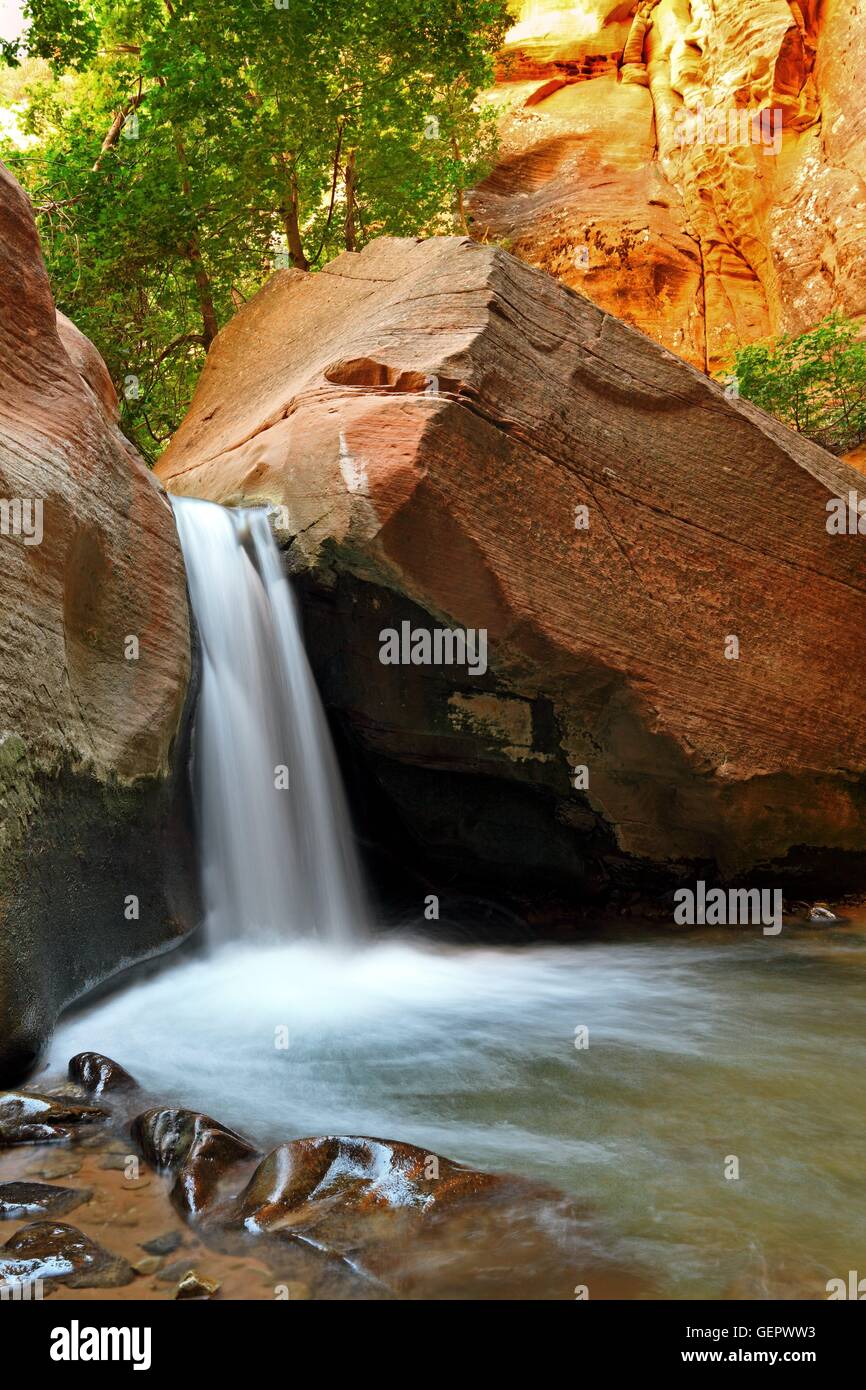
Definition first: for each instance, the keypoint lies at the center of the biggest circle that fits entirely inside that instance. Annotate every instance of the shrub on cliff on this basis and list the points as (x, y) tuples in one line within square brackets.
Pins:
[(815, 382)]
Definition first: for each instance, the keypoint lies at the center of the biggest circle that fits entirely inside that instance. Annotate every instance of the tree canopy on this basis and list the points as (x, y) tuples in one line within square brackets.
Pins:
[(179, 150)]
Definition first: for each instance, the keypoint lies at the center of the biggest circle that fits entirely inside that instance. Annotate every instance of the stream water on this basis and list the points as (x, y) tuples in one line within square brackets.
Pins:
[(702, 1046), (711, 1129)]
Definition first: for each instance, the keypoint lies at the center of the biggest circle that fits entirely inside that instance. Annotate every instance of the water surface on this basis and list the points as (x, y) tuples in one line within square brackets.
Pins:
[(703, 1046)]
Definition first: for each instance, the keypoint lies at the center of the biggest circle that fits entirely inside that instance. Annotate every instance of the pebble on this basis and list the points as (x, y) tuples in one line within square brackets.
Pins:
[(166, 1244), (195, 1285)]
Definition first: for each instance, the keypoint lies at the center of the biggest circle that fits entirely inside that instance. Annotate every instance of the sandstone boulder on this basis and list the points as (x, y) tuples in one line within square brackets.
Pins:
[(94, 669), (458, 441)]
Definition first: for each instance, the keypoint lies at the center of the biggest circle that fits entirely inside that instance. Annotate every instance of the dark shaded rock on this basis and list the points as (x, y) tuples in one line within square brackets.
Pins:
[(165, 1244), (19, 1199), (45, 1250), (26, 1117), (201, 1153), (97, 1074), (171, 1274), (195, 1285)]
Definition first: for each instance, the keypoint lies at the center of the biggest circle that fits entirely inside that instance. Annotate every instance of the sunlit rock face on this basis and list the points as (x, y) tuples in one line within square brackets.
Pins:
[(697, 169)]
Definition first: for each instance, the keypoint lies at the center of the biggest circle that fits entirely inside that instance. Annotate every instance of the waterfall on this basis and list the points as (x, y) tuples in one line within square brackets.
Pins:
[(277, 853)]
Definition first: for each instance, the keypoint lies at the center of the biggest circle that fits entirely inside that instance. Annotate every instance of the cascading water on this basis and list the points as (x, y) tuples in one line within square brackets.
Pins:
[(276, 843)]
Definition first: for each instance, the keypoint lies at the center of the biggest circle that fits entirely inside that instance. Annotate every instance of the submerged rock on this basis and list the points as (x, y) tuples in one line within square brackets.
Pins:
[(26, 1117), (20, 1199), (456, 442), (94, 628), (164, 1244)]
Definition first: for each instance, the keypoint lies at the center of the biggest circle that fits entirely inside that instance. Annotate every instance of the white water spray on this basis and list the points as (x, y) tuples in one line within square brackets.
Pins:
[(278, 857)]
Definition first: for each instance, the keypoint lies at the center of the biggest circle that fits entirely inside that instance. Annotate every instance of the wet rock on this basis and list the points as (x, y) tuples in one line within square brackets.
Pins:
[(199, 1151), (114, 1162), (26, 1117), (165, 1244), (301, 1179), (820, 913), (20, 1199), (344, 1216), (170, 1274), (45, 1250), (195, 1285), (57, 1165), (98, 1074)]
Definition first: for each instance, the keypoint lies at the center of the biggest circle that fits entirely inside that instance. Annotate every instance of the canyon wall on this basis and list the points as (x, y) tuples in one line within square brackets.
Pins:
[(697, 167), (94, 669)]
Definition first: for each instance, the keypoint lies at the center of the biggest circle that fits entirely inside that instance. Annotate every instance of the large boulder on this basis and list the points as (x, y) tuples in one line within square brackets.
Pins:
[(95, 642), (457, 440)]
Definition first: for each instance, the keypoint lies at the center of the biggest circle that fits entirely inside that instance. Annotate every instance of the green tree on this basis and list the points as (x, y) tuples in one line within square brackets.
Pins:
[(180, 149), (815, 382)]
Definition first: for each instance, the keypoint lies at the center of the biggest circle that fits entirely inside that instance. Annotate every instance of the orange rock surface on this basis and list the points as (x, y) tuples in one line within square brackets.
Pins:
[(615, 175)]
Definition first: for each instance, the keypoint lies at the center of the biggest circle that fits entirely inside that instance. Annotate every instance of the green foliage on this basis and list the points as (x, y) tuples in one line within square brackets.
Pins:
[(814, 382), (179, 149)]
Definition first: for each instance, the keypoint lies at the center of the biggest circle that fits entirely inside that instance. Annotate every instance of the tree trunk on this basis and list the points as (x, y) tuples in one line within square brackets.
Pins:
[(115, 128), (461, 198), (351, 202), (191, 249), (290, 213)]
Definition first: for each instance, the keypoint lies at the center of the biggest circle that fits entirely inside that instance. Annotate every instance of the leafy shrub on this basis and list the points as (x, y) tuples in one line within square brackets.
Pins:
[(814, 382)]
